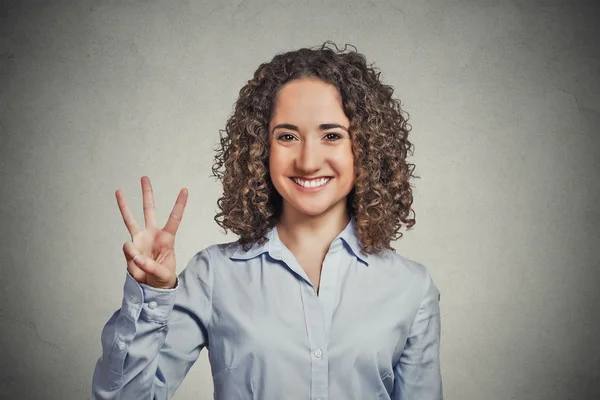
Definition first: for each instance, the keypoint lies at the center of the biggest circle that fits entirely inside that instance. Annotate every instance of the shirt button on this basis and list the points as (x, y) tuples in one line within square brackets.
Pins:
[(152, 304), (121, 345), (134, 299), (318, 353)]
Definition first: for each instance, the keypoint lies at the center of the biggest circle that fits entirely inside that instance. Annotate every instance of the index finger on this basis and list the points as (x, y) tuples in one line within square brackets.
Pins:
[(177, 214)]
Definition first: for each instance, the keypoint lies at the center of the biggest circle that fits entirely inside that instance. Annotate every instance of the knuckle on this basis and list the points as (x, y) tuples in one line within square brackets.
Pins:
[(175, 217), (129, 250)]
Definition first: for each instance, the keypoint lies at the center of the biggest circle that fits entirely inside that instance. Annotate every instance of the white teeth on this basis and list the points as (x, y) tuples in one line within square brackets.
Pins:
[(311, 183)]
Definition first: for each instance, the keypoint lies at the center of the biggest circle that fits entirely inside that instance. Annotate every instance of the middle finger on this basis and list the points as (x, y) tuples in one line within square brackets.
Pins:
[(148, 201)]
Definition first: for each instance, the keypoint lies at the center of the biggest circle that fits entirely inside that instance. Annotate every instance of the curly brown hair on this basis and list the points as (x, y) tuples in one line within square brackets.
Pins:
[(381, 198)]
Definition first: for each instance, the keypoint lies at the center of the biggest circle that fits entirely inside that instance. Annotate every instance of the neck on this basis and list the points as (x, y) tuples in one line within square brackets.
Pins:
[(300, 230)]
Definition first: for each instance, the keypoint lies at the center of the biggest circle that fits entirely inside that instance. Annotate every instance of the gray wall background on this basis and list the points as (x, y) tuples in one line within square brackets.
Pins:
[(504, 98)]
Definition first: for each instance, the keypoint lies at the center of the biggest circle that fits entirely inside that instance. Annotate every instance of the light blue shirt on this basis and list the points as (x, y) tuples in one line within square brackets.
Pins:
[(372, 332)]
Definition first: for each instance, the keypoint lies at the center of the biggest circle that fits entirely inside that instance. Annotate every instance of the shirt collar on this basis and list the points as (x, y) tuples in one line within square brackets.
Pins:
[(351, 239), (274, 245), (255, 250)]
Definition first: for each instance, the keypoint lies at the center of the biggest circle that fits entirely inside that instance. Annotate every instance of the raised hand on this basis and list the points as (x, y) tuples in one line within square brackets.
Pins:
[(151, 253)]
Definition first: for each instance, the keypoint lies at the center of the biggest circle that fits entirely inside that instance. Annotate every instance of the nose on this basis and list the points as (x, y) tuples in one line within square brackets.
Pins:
[(310, 157)]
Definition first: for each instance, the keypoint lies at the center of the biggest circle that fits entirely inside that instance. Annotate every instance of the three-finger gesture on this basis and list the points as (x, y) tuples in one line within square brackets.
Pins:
[(151, 253)]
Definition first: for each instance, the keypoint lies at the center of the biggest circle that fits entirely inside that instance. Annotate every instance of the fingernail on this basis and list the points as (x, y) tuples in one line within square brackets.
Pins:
[(138, 260)]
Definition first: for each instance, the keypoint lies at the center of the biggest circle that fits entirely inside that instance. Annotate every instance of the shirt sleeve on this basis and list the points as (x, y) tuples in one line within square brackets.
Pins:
[(152, 341), (417, 374)]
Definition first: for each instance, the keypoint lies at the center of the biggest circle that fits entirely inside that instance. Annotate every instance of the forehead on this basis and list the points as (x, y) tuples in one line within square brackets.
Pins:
[(308, 101)]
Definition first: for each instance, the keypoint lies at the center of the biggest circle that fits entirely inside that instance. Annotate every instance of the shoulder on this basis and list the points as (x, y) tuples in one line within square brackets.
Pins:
[(404, 271), (220, 251), (398, 264), (204, 260), (219, 254)]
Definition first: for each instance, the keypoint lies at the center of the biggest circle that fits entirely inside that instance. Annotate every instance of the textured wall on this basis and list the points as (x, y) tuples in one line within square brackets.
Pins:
[(504, 98)]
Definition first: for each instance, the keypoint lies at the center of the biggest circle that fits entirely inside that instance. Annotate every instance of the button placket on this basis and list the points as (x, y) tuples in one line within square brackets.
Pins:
[(329, 277), (313, 315)]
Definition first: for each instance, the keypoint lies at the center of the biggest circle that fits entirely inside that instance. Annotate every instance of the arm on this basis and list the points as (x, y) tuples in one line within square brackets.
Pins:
[(417, 374), (149, 345)]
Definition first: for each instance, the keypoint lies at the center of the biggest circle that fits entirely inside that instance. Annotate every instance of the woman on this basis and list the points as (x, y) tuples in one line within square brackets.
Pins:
[(311, 302)]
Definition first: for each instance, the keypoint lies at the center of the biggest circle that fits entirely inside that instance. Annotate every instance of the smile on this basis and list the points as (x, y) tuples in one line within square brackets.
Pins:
[(313, 183)]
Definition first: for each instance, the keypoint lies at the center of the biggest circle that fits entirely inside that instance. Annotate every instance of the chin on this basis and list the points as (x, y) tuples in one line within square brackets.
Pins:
[(315, 213), (312, 211)]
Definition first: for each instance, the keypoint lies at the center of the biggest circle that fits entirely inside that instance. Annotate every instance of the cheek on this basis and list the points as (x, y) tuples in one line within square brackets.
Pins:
[(346, 165), (276, 165), (273, 161), (350, 175)]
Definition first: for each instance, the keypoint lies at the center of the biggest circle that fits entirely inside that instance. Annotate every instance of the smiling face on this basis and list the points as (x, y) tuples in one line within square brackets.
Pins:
[(309, 139)]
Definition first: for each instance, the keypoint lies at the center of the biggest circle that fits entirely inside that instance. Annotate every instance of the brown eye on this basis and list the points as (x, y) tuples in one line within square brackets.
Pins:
[(287, 137), (332, 137)]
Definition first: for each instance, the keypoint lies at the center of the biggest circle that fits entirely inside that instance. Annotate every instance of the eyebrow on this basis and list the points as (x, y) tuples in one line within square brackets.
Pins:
[(323, 127)]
